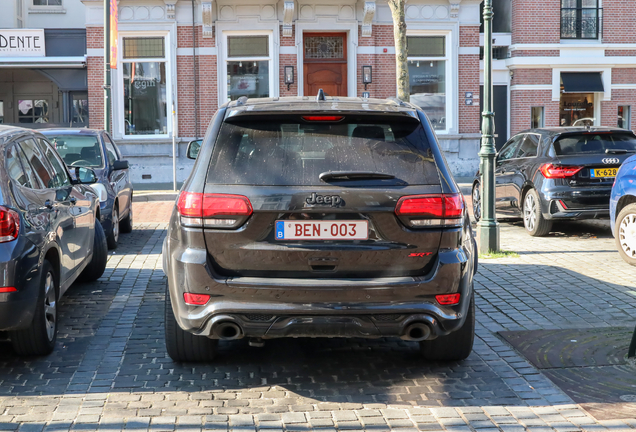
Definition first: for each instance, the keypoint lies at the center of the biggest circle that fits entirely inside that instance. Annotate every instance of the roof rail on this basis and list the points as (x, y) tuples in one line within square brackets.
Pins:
[(321, 95), (241, 101)]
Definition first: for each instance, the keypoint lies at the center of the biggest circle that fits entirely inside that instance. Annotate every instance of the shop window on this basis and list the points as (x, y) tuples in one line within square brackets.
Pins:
[(624, 117), (577, 109), (33, 111), (248, 66), (79, 109), (581, 19), (47, 2), (538, 117), (427, 76), (145, 86)]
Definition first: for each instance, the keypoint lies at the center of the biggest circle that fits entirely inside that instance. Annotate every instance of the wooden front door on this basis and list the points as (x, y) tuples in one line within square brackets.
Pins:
[(325, 63)]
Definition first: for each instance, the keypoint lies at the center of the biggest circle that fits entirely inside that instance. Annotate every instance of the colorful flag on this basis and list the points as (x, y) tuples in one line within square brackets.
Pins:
[(113, 34)]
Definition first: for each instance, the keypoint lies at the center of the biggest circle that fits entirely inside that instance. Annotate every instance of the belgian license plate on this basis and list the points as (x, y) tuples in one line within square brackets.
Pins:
[(604, 172), (322, 230)]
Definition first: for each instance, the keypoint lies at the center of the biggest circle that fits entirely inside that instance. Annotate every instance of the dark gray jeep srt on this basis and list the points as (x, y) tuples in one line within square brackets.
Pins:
[(319, 217)]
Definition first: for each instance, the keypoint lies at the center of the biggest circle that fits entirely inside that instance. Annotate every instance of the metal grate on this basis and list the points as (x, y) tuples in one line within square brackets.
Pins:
[(386, 317), (581, 22), (259, 317)]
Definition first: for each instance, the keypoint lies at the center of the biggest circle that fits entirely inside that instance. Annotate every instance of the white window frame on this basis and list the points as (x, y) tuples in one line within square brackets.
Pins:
[(224, 58), (47, 8), (450, 78), (118, 99)]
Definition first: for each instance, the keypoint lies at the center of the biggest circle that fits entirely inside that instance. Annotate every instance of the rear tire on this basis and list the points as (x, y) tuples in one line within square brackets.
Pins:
[(183, 346), (126, 224), (455, 346), (113, 236), (534, 222), (625, 230), (39, 338), (95, 269)]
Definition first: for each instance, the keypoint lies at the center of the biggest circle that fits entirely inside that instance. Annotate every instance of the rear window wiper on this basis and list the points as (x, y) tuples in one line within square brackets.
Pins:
[(353, 175), (618, 151)]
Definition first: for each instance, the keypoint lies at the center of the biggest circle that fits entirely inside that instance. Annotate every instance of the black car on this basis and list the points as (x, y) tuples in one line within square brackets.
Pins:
[(335, 217), (95, 149), (566, 173), (49, 237)]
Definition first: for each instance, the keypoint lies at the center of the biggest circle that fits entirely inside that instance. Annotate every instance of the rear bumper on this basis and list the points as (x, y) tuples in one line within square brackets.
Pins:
[(19, 268), (575, 203), (272, 308)]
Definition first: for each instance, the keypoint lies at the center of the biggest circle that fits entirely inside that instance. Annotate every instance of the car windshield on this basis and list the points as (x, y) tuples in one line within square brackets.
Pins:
[(78, 150), (594, 143), (292, 151)]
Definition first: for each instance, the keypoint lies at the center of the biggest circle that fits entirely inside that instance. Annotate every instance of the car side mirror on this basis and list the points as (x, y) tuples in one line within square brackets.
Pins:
[(84, 175), (193, 148), (120, 165)]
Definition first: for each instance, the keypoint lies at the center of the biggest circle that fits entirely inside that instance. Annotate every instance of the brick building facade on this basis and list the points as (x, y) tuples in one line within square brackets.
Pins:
[(578, 67), (244, 48), (170, 56)]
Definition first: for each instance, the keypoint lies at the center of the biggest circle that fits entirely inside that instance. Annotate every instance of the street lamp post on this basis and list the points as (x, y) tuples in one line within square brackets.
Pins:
[(107, 65), (488, 230)]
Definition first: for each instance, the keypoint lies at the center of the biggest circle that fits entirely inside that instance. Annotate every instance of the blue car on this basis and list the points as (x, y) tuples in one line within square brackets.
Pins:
[(623, 210), (96, 150)]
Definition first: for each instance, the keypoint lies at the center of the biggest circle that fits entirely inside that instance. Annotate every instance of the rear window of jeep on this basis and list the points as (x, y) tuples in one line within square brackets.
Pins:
[(292, 151)]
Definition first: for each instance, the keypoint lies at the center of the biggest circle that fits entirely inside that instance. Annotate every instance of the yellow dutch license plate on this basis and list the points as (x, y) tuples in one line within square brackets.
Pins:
[(604, 172)]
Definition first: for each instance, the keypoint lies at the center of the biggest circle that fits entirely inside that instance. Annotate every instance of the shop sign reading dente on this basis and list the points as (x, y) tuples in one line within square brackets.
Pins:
[(22, 42)]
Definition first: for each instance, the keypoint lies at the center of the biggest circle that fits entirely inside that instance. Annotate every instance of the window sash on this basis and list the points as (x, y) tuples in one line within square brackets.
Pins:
[(411, 40), (579, 20), (224, 94), (129, 50), (447, 61)]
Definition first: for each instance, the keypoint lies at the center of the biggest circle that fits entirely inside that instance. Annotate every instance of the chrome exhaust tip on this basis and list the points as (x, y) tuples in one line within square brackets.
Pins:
[(227, 331), (417, 332)]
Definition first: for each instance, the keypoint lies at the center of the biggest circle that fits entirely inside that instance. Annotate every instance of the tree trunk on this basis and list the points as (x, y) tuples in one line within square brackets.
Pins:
[(399, 34)]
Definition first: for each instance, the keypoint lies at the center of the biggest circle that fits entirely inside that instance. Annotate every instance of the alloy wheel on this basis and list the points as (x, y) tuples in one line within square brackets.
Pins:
[(116, 224), (477, 202), (627, 235), (50, 305), (530, 212)]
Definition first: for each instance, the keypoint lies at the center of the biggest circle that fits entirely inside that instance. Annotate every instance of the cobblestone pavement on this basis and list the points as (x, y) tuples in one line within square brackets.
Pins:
[(110, 370)]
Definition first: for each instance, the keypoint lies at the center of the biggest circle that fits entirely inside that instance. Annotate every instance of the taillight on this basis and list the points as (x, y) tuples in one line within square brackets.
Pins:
[(196, 299), (9, 224), (213, 210), (322, 118), (7, 289), (448, 299), (557, 172), (431, 210)]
